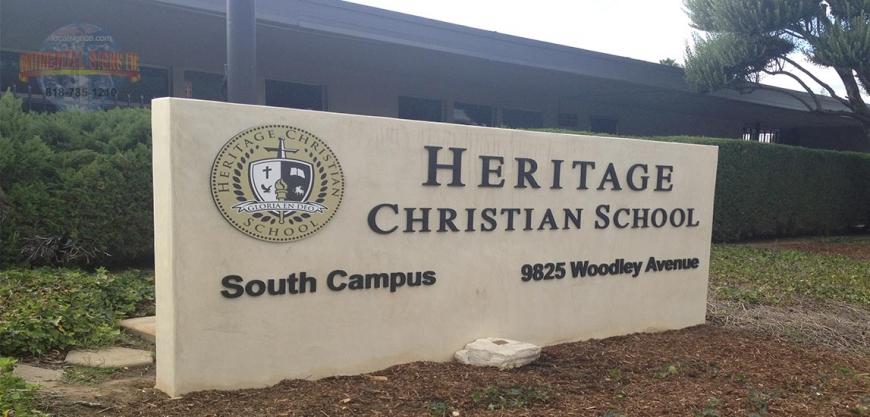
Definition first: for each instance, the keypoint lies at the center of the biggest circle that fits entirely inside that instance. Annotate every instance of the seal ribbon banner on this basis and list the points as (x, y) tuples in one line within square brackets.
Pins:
[(257, 206)]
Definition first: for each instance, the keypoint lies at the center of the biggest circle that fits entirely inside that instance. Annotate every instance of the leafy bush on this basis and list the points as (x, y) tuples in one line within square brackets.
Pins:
[(45, 309), (75, 187), (16, 396)]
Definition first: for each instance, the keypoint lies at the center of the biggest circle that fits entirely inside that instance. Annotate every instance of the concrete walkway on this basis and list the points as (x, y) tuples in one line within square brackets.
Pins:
[(143, 327)]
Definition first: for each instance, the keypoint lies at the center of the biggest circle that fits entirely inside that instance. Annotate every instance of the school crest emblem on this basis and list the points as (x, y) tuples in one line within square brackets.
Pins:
[(277, 183)]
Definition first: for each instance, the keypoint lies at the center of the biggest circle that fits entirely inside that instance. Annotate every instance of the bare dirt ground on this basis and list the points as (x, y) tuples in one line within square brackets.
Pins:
[(809, 359), (702, 371), (90, 400)]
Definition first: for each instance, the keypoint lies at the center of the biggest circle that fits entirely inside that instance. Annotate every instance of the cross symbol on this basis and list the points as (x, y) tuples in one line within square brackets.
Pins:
[(267, 170)]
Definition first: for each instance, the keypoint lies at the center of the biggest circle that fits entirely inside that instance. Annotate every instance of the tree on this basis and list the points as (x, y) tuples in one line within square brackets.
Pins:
[(670, 62), (747, 38)]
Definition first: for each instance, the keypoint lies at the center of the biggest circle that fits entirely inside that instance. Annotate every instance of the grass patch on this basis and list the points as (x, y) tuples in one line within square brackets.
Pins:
[(16, 396), (502, 398), (853, 239), (759, 402), (87, 375), (711, 409), (780, 277), (667, 371), (438, 408), (48, 309), (863, 408), (614, 374)]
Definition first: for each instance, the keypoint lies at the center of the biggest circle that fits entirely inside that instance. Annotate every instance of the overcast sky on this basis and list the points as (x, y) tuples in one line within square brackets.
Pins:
[(649, 30)]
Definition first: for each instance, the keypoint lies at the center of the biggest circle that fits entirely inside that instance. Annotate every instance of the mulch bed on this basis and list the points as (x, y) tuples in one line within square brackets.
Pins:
[(701, 371)]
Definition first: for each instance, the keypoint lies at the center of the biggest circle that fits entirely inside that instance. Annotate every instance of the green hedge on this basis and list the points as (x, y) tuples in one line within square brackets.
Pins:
[(770, 191), (766, 191), (75, 188)]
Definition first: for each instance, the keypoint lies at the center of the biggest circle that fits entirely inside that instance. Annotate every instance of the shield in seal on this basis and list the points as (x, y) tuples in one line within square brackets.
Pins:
[(276, 183), (281, 179)]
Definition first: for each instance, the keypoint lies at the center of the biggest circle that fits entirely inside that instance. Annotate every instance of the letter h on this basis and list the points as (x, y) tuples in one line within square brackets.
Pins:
[(434, 166)]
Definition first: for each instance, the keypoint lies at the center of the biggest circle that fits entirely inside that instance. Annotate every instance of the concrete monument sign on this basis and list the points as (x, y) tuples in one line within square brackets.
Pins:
[(300, 244)]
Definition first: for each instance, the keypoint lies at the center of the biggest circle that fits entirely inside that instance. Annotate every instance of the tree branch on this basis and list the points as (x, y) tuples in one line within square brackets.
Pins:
[(817, 80), (796, 34), (859, 117), (862, 118), (781, 91), (807, 31), (853, 91), (864, 77), (802, 83)]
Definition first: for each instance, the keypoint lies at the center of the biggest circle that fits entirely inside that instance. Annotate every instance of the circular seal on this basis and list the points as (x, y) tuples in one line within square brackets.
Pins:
[(83, 86), (277, 183)]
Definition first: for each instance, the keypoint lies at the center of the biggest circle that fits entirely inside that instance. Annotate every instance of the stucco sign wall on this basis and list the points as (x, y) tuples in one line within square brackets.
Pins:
[(301, 244)]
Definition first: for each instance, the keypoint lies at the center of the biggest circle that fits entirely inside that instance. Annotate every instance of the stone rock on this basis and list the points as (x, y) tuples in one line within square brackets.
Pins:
[(142, 327), (499, 353), (113, 357), (40, 376)]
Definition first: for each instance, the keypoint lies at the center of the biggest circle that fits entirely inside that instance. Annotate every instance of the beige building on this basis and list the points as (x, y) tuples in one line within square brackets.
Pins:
[(342, 57)]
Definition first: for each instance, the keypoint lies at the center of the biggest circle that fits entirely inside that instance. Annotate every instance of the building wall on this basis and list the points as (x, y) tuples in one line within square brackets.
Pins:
[(368, 77)]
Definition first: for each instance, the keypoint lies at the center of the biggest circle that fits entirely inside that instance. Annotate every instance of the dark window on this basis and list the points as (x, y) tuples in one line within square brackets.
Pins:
[(568, 120), (9, 74), (413, 108), (153, 84), (30, 91), (522, 119), (603, 125), (472, 114), (204, 86), (294, 95)]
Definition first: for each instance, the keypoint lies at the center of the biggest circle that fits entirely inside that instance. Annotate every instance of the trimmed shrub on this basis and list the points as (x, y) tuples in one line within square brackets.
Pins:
[(767, 191), (75, 187), (46, 309)]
